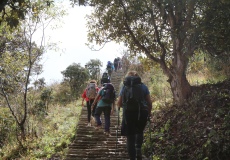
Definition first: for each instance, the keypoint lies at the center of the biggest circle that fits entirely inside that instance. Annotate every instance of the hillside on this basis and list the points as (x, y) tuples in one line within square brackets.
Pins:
[(198, 130)]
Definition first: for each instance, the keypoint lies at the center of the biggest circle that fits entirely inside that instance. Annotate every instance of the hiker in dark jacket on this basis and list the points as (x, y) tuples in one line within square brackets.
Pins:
[(105, 78), (115, 63), (134, 122), (109, 68)]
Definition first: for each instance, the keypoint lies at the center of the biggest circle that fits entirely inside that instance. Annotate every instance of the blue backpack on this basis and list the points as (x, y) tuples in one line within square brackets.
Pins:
[(109, 93), (109, 65)]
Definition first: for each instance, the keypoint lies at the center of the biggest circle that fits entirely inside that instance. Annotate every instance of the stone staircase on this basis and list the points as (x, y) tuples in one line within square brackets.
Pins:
[(117, 79), (92, 144)]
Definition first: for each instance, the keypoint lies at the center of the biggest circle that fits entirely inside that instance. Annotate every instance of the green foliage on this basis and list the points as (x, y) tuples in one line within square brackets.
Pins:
[(218, 67), (93, 67), (168, 32), (20, 57), (41, 105), (160, 92), (61, 93), (39, 109), (216, 27), (54, 132), (76, 76), (40, 83), (7, 126), (205, 68), (13, 11), (199, 129)]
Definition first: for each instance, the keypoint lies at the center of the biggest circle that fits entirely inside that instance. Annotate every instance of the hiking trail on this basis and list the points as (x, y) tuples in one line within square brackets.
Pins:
[(92, 144)]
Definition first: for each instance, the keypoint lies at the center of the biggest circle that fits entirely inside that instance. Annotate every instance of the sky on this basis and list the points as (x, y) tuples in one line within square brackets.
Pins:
[(73, 36)]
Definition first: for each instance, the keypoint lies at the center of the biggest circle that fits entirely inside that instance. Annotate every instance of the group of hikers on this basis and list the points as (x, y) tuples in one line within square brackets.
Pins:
[(134, 99), (116, 65)]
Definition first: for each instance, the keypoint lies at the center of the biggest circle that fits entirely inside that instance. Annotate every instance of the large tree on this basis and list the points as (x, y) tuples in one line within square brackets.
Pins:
[(167, 31)]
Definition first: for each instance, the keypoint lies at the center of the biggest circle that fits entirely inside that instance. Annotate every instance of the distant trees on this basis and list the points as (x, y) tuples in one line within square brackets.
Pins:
[(93, 67), (168, 32), (76, 76)]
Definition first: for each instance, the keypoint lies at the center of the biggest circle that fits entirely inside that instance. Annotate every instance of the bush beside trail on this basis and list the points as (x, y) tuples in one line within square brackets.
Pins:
[(197, 130)]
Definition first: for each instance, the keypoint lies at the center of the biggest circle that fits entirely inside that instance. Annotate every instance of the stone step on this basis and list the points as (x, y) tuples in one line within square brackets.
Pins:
[(93, 144), (117, 78)]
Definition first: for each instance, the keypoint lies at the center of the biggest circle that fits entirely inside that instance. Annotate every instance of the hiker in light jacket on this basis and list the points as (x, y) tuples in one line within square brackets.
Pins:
[(89, 103)]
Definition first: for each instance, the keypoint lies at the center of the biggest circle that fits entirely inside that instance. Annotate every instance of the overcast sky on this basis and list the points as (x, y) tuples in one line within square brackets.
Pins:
[(73, 36)]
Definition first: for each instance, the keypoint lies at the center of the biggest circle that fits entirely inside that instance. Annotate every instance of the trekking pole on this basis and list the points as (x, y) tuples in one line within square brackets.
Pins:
[(118, 123)]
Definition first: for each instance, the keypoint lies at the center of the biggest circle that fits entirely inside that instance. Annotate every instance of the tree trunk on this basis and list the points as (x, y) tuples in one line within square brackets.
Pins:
[(180, 88)]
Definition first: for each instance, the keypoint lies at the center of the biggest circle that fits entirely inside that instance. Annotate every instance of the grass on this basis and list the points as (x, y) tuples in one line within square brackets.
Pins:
[(54, 132)]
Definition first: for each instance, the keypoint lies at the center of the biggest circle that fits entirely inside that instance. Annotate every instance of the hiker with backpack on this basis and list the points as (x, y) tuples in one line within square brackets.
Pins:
[(135, 100), (119, 66), (105, 78), (115, 63), (109, 68), (105, 101), (89, 95)]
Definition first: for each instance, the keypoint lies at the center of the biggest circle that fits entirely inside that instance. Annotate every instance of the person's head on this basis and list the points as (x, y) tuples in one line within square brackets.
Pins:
[(132, 77), (93, 81), (132, 73)]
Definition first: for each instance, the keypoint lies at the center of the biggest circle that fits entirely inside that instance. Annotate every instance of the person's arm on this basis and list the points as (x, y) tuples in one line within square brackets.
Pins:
[(83, 97), (119, 102), (113, 106), (95, 100)]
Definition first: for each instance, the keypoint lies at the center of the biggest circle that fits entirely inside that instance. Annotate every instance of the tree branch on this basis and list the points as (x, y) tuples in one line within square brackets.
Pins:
[(136, 41)]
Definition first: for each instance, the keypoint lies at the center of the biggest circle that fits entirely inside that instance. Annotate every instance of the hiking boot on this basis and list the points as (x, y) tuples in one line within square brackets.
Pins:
[(107, 133), (98, 127)]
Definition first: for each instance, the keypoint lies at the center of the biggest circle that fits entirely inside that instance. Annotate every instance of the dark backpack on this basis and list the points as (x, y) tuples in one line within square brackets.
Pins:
[(105, 75), (105, 78), (109, 93), (115, 61), (133, 96)]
